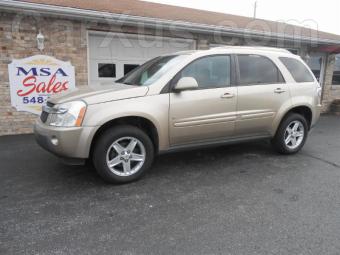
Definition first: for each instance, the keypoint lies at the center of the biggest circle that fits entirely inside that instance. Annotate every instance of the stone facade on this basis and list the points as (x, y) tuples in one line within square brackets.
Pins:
[(66, 40), (18, 40), (330, 92)]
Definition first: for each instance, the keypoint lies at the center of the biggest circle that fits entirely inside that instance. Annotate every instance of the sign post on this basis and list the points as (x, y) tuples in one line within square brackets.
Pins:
[(34, 79)]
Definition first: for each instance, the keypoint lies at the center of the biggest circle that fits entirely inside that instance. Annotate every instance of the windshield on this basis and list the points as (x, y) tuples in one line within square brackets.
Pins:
[(151, 71)]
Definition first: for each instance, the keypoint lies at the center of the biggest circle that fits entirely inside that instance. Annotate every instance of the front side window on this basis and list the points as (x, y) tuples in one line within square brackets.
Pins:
[(209, 72), (151, 71), (298, 70), (255, 69)]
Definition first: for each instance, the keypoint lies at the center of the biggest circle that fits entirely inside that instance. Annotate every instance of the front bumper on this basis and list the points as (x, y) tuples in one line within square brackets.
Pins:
[(68, 143)]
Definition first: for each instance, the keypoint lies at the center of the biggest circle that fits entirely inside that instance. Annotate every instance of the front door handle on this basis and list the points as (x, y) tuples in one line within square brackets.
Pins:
[(279, 91), (227, 95)]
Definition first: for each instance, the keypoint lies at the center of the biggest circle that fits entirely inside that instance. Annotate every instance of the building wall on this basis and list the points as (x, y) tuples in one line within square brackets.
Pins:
[(330, 93), (18, 40), (67, 40)]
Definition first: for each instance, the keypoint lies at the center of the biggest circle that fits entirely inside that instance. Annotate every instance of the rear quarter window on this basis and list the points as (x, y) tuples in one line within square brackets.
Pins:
[(297, 69)]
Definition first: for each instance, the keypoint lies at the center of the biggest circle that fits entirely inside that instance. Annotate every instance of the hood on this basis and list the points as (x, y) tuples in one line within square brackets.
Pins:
[(101, 94)]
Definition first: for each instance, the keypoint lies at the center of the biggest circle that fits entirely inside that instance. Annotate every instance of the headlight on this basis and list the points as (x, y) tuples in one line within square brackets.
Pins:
[(67, 115)]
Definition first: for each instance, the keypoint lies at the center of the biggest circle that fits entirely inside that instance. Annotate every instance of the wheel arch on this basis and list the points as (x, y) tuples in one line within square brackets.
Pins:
[(304, 110), (137, 121)]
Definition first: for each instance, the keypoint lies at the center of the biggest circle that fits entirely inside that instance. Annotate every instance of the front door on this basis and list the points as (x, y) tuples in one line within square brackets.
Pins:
[(208, 112), (262, 91)]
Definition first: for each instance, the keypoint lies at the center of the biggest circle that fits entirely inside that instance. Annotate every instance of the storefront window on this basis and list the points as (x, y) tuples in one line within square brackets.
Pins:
[(294, 51), (129, 67), (315, 62), (336, 72), (106, 70)]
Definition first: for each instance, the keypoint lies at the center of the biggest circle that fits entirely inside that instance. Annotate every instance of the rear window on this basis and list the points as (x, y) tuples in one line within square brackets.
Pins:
[(298, 70)]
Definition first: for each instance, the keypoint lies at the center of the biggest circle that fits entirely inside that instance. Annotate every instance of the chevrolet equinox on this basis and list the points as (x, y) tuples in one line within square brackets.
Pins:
[(183, 100)]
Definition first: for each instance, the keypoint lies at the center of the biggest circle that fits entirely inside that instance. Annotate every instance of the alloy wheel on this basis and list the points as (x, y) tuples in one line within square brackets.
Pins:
[(126, 156), (294, 134)]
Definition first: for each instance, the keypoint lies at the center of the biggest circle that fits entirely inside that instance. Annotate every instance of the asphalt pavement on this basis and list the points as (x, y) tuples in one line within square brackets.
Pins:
[(239, 199)]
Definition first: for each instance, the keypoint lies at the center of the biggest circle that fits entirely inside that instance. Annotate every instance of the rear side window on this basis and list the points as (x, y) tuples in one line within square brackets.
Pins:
[(255, 69), (298, 70)]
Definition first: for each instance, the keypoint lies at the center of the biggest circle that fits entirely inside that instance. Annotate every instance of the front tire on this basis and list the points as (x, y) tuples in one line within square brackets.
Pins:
[(291, 134), (123, 154)]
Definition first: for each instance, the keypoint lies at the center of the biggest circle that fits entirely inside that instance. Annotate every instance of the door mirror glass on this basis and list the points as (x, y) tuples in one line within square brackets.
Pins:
[(186, 83)]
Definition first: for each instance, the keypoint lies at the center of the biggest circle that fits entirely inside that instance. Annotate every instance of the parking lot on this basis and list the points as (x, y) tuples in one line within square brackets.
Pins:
[(242, 199)]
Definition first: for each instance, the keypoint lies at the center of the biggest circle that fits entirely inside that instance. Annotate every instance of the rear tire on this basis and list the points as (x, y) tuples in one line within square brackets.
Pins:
[(291, 134), (123, 154)]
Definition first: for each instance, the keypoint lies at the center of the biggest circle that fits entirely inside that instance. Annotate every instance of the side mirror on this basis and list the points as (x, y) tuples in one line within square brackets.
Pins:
[(186, 83)]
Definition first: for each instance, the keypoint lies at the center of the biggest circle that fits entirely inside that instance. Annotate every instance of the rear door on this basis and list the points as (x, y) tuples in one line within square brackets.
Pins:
[(208, 112), (261, 93)]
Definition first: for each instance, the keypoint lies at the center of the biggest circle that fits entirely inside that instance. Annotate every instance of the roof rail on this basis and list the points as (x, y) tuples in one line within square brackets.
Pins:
[(254, 47)]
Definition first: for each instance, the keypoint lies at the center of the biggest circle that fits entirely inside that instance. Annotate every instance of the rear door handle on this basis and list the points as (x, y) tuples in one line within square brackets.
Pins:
[(279, 90), (227, 95)]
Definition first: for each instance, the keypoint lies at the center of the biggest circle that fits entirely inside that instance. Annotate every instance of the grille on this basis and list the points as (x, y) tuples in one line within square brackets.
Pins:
[(49, 104), (44, 116)]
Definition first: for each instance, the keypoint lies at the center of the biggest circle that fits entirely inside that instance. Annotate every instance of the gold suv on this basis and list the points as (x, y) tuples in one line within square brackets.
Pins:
[(184, 100)]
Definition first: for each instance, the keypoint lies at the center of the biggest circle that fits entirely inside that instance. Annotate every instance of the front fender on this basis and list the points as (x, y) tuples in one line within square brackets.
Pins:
[(153, 108)]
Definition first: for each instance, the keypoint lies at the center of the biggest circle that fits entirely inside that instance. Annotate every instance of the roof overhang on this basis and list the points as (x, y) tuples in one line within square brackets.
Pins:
[(334, 49), (125, 19)]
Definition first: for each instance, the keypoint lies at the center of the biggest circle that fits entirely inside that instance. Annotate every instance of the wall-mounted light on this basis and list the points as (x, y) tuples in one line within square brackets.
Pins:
[(40, 41)]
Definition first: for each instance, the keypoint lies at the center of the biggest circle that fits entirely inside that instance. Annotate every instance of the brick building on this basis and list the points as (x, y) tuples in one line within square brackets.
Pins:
[(106, 39)]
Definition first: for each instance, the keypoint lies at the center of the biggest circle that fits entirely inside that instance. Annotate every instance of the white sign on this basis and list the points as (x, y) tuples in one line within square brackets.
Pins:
[(32, 80)]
